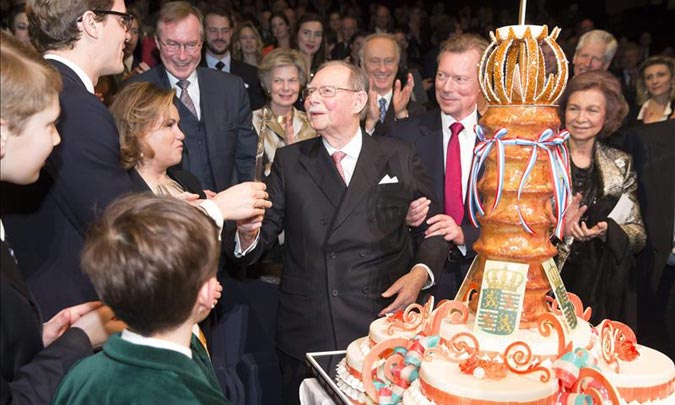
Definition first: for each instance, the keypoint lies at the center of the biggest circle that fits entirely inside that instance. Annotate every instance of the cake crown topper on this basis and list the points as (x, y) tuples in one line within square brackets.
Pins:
[(512, 70)]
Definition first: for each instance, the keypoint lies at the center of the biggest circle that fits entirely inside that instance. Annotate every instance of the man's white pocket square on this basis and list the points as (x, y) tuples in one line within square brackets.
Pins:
[(388, 180)]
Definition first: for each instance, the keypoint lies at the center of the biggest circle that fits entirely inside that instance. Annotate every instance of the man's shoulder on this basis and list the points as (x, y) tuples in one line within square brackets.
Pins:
[(153, 75), (243, 68), (215, 77)]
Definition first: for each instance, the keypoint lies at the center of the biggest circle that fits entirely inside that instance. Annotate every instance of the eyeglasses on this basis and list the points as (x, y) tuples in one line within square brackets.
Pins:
[(175, 46), (125, 19), (325, 91)]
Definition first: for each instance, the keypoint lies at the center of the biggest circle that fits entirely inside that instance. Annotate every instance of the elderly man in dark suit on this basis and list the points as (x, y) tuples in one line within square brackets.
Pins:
[(218, 34), (214, 110), (341, 199), (444, 139)]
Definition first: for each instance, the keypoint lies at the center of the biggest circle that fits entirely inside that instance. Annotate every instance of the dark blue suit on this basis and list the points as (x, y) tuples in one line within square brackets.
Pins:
[(426, 134), (47, 221), (225, 120)]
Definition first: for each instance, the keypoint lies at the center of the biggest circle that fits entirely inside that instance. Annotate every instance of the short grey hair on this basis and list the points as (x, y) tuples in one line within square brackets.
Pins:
[(358, 79), (600, 36), (381, 35)]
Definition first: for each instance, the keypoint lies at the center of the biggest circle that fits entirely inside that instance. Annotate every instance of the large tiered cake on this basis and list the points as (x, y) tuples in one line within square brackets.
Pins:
[(504, 340)]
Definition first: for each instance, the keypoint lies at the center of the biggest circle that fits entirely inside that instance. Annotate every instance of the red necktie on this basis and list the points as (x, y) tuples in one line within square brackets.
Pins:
[(454, 205), (337, 158)]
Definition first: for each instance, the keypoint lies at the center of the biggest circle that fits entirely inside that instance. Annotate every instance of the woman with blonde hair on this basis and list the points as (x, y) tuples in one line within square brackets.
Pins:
[(248, 44), (282, 74), (656, 89)]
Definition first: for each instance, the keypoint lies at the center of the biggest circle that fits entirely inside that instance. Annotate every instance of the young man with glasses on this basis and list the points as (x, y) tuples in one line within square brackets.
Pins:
[(215, 116), (84, 40), (341, 199)]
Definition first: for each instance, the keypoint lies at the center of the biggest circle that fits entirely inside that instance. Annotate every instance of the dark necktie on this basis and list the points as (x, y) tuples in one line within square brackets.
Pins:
[(185, 96), (454, 205), (337, 159), (383, 108), (220, 65)]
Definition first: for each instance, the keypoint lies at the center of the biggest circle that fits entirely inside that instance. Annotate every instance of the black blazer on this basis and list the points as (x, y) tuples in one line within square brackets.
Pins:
[(186, 179), (426, 134), (226, 116), (344, 246), (249, 74), (29, 372), (653, 150), (47, 221)]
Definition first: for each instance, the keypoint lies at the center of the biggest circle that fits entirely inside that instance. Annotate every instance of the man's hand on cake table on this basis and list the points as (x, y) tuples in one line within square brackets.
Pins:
[(243, 201), (445, 226), (406, 289), (417, 211)]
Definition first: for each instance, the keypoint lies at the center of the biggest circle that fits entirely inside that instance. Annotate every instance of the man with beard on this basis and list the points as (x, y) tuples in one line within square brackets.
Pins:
[(218, 30)]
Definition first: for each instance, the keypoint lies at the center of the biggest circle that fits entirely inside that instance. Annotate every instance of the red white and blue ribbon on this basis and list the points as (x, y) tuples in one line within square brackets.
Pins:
[(553, 144)]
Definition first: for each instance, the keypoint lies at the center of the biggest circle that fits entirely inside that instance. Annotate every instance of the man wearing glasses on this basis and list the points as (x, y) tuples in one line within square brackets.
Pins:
[(83, 40), (214, 108), (342, 200)]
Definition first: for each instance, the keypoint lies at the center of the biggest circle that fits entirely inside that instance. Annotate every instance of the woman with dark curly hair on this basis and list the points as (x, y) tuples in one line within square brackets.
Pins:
[(603, 225)]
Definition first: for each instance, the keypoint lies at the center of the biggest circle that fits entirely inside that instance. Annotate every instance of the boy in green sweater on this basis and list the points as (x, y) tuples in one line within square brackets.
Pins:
[(153, 260)]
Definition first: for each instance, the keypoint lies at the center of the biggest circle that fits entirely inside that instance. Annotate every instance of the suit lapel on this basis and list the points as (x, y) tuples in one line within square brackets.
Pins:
[(432, 144), (320, 168), (369, 167), (207, 98)]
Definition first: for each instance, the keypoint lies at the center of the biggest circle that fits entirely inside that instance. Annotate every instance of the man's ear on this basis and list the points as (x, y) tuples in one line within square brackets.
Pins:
[(360, 101), (89, 25), (207, 294), (4, 133)]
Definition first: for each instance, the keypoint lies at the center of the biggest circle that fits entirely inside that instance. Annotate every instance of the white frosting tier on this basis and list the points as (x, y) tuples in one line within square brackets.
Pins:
[(541, 346), (379, 331), (351, 385), (356, 352), (447, 377), (649, 369), (413, 396)]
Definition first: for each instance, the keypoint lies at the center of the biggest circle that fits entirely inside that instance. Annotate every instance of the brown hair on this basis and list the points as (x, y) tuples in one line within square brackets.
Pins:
[(616, 107), (148, 256), (28, 82), (52, 24), (174, 11), (642, 93), (279, 58), (236, 52), (319, 56), (137, 109), (463, 43)]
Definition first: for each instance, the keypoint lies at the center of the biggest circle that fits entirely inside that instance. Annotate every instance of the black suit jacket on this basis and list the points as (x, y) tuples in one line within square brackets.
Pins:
[(30, 373), (226, 116), (426, 134), (249, 74), (344, 245), (47, 221), (653, 150)]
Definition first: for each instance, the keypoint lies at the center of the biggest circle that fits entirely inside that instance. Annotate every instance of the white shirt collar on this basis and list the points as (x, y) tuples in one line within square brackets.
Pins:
[(351, 149), (386, 97), (141, 340), (174, 80), (2, 231), (212, 60), (469, 123), (88, 83)]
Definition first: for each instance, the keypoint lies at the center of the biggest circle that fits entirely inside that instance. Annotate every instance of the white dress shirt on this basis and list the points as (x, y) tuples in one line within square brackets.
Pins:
[(467, 141), (193, 89), (352, 150), (88, 82), (212, 60)]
